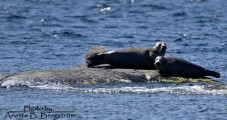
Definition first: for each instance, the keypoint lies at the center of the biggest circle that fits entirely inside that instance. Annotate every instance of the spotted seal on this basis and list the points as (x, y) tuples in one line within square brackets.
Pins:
[(172, 66), (132, 58)]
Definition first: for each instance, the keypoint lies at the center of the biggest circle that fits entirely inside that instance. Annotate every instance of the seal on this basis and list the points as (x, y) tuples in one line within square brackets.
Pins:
[(172, 66), (131, 58)]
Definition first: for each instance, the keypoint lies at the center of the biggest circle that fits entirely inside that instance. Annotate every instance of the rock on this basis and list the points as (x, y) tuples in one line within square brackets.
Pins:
[(83, 75), (3, 77)]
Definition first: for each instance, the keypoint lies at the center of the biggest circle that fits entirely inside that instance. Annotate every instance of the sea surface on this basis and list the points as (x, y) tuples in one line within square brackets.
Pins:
[(45, 34)]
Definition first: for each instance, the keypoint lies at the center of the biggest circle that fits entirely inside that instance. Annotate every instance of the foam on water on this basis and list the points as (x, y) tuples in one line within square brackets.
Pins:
[(138, 90), (126, 88), (172, 90), (15, 82)]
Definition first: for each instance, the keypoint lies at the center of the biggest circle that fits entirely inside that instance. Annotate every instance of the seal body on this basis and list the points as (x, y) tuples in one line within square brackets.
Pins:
[(172, 66), (132, 58)]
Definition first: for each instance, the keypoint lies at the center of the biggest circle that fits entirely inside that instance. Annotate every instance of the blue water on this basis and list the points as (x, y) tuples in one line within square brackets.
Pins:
[(45, 34)]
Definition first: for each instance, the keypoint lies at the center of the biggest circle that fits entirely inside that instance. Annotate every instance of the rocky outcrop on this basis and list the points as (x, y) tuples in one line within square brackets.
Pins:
[(83, 75)]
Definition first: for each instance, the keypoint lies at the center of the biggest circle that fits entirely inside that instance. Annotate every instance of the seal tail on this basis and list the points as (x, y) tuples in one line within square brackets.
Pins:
[(95, 56), (213, 73)]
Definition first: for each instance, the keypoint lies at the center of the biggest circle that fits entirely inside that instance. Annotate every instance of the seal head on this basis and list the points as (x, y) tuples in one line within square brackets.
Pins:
[(158, 50)]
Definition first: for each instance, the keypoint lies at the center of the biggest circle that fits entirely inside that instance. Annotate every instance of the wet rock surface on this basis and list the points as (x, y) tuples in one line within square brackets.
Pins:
[(80, 75), (99, 75)]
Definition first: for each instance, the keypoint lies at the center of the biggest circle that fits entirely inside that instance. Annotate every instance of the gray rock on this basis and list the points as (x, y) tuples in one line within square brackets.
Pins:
[(83, 75), (79, 75)]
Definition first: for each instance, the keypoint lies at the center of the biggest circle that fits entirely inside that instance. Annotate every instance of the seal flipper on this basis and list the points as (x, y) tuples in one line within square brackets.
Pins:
[(95, 56), (212, 73)]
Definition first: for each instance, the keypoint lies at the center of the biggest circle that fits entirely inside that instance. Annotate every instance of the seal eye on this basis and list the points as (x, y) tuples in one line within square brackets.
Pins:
[(157, 58), (164, 44)]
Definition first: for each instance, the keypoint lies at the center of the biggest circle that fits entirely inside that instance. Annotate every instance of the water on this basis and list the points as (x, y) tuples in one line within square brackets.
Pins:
[(44, 34)]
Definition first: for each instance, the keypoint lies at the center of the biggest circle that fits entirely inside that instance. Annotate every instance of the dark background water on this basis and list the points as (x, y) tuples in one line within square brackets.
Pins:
[(44, 34)]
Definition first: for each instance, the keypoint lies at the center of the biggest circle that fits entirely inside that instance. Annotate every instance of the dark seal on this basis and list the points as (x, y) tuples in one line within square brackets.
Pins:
[(172, 66), (132, 58)]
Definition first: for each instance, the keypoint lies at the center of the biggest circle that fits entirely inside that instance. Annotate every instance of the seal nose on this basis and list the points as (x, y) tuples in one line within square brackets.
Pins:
[(157, 63), (164, 46)]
